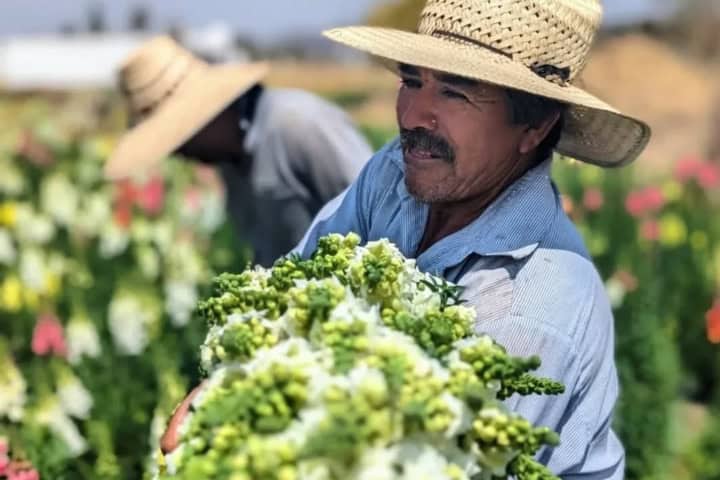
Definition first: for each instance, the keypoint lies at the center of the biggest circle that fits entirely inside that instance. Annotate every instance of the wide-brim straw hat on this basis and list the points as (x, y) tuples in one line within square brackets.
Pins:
[(171, 95), (538, 47)]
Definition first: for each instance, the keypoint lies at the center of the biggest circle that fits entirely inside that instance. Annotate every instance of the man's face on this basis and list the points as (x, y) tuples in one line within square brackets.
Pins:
[(458, 142), (219, 141)]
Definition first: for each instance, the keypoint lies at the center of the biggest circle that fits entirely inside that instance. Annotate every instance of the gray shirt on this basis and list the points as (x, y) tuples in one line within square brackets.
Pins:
[(305, 151)]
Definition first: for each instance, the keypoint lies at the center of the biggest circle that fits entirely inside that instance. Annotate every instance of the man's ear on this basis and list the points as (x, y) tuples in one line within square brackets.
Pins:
[(533, 136)]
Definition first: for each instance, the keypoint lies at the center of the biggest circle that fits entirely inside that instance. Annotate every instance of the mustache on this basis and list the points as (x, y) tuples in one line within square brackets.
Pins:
[(423, 139)]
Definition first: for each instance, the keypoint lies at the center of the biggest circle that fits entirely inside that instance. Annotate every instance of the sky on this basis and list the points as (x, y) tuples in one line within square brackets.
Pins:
[(261, 20)]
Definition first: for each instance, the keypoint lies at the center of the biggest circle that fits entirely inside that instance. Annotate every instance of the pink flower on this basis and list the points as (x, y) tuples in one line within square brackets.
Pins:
[(635, 203), (654, 199), (205, 174), (627, 279), (34, 151), (708, 176), (687, 168), (48, 336), (151, 196), (191, 199), (31, 474), (4, 462), (593, 199), (647, 200), (650, 230)]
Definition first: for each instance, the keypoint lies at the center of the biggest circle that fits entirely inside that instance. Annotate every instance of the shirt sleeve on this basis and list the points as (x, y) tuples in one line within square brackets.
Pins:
[(588, 449), (325, 150)]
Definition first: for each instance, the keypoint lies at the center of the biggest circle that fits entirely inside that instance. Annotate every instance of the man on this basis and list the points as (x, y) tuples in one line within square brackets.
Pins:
[(486, 96), (282, 153)]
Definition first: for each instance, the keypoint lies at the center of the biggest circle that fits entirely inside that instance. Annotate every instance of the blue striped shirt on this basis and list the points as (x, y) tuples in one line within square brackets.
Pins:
[(526, 271)]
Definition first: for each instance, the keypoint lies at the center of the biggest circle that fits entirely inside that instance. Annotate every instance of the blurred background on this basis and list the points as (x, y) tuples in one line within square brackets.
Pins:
[(114, 291)]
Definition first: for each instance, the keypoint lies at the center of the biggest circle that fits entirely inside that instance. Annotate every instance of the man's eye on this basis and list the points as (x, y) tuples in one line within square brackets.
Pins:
[(410, 82), (455, 94)]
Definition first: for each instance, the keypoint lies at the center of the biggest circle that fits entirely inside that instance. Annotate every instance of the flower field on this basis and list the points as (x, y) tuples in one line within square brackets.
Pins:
[(100, 337)]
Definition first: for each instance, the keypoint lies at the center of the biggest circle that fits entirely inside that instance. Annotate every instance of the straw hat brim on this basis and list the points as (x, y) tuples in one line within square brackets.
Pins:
[(201, 97), (594, 131)]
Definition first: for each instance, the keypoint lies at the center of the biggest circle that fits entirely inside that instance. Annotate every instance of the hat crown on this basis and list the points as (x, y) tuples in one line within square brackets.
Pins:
[(154, 72), (551, 37)]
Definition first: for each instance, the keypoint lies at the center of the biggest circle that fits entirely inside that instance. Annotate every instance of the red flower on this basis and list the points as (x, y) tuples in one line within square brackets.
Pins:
[(712, 322), (125, 192), (593, 199), (151, 196), (48, 337), (123, 215)]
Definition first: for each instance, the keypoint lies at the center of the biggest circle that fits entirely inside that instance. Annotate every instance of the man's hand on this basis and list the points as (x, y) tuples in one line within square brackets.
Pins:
[(170, 440)]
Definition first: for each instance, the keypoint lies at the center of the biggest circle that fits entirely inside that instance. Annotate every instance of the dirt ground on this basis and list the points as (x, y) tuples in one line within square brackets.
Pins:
[(634, 73)]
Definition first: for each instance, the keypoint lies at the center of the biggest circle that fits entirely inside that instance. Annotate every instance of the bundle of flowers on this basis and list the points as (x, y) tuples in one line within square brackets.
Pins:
[(98, 282), (353, 365)]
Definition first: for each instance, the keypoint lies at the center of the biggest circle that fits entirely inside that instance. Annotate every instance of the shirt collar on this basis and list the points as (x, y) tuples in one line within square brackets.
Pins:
[(513, 225)]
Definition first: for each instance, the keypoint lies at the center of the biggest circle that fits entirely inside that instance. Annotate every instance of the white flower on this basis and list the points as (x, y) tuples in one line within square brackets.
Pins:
[(52, 415), (157, 428), (12, 181), (615, 291), (298, 432), (32, 269), (376, 464), (12, 391), (8, 253), (462, 416), (32, 227), (129, 324), (74, 397), (162, 235), (141, 230), (95, 212), (59, 198), (180, 301), (113, 240), (185, 262), (421, 462), (148, 261), (369, 382), (212, 213), (314, 470), (82, 339), (173, 459)]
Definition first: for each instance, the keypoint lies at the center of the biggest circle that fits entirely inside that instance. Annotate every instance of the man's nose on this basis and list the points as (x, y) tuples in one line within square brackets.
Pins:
[(419, 111)]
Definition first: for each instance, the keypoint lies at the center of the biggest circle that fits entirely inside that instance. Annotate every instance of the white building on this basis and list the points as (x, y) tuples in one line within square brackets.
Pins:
[(83, 61), (56, 62)]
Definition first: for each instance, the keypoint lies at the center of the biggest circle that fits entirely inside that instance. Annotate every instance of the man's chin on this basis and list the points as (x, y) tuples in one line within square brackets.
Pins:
[(423, 193)]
